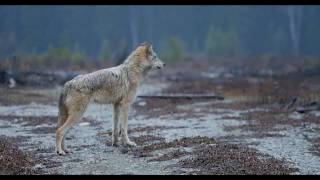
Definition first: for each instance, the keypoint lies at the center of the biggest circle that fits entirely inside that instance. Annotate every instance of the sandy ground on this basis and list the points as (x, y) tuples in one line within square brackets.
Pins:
[(93, 153)]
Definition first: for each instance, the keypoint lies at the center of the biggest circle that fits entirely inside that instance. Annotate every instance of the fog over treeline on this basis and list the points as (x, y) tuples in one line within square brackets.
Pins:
[(197, 30)]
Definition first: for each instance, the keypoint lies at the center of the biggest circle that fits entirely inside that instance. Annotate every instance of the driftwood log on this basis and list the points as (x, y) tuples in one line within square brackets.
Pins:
[(36, 78), (183, 96), (312, 106), (307, 109)]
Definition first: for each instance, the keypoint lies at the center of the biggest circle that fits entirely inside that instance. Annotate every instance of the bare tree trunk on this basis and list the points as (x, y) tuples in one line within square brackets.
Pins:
[(195, 45), (294, 15), (150, 18), (133, 21)]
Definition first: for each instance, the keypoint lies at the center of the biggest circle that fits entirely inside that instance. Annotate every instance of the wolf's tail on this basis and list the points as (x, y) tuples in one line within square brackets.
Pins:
[(63, 110)]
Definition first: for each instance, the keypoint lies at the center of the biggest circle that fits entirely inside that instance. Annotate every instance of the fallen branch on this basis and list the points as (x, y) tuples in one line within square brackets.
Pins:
[(183, 96), (312, 106), (307, 109)]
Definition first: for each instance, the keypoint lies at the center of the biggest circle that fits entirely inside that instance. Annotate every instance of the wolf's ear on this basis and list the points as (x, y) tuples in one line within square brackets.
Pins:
[(148, 47), (145, 44)]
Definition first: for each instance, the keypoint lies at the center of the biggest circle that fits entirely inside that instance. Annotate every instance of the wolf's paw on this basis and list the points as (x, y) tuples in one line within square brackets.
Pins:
[(61, 152), (115, 143), (130, 143), (67, 151)]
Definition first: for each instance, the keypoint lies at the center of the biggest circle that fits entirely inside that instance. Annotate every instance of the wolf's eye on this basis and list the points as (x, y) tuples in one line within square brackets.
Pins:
[(154, 57)]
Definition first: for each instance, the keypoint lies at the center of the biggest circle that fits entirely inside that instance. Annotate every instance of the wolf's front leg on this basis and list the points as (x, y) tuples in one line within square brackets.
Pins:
[(116, 124), (124, 110)]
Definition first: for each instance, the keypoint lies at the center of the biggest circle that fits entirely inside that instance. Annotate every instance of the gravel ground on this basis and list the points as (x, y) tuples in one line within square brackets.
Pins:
[(173, 137)]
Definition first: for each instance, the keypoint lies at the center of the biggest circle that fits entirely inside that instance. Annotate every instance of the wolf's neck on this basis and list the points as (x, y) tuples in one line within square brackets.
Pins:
[(135, 73)]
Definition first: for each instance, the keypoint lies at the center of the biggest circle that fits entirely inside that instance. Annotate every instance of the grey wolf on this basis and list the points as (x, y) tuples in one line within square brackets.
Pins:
[(116, 85)]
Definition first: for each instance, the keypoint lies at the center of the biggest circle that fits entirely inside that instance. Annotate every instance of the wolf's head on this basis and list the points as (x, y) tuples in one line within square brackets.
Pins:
[(146, 58)]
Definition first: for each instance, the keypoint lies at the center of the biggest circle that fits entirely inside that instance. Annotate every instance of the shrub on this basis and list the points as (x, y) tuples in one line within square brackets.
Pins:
[(174, 50), (222, 42)]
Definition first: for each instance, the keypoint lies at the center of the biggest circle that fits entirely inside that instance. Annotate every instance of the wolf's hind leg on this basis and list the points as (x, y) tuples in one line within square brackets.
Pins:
[(61, 121), (62, 118), (74, 116)]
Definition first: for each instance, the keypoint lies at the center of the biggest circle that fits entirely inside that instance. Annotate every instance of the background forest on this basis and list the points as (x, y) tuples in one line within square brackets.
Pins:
[(64, 35)]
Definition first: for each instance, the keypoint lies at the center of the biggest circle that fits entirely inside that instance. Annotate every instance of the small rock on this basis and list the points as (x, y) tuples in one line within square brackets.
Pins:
[(84, 124), (296, 116), (142, 103), (38, 166), (12, 83), (228, 75), (316, 113)]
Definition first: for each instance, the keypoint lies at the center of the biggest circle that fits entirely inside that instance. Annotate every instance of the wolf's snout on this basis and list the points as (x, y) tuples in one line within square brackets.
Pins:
[(159, 66)]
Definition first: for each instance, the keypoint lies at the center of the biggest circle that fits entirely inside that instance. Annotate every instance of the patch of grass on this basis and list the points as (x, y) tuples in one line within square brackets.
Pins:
[(141, 140), (315, 148), (230, 159), (13, 161), (152, 128), (211, 156), (145, 151)]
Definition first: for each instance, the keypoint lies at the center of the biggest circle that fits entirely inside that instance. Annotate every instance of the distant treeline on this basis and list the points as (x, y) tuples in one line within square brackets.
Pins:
[(110, 32)]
